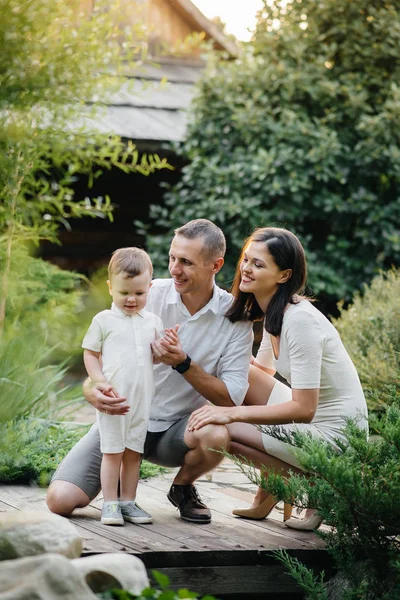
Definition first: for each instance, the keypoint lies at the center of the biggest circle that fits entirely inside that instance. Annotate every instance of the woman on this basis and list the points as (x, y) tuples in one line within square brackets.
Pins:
[(303, 347)]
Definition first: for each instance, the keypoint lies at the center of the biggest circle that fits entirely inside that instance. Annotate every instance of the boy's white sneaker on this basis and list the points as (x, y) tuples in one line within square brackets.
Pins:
[(134, 514), (111, 514)]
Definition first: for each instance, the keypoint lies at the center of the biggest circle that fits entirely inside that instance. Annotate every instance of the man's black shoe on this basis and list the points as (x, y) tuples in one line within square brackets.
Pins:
[(187, 500)]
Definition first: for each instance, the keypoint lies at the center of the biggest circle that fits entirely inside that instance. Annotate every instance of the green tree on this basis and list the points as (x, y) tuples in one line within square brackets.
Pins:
[(302, 131), (55, 61), (57, 65)]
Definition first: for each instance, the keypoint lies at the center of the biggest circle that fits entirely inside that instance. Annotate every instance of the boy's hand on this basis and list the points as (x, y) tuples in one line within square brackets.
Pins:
[(171, 337), (168, 349)]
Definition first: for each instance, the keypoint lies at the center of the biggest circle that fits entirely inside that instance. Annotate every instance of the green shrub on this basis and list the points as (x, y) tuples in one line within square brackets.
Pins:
[(162, 591), (39, 331), (95, 298), (356, 492), (43, 301), (31, 449), (370, 330), (296, 134)]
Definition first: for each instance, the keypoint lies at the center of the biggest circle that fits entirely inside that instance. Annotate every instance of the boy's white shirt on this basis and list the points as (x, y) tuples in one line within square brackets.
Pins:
[(127, 364)]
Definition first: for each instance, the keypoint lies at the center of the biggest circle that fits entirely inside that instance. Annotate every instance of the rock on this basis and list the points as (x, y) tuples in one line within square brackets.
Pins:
[(55, 577), (27, 533), (45, 577), (337, 586), (106, 571)]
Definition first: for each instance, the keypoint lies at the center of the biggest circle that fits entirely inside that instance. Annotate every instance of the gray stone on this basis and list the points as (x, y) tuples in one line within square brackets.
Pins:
[(106, 571), (27, 533), (45, 577), (55, 577), (337, 586)]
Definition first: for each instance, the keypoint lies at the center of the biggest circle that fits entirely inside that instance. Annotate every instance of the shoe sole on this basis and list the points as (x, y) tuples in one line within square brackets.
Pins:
[(204, 521), (139, 520), (112, 522), (198, 521)]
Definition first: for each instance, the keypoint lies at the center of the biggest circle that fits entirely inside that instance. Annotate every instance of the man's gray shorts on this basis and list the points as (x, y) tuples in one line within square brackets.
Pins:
[(82, 464)]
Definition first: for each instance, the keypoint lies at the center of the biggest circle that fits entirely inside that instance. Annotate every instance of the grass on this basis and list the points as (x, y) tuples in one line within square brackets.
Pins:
[(32, 448)]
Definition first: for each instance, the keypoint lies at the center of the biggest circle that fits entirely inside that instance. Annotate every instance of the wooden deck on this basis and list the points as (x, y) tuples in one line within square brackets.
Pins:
[(228, 558)]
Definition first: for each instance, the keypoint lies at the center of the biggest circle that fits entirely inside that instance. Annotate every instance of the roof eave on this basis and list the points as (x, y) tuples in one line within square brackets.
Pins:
[(200, 22)]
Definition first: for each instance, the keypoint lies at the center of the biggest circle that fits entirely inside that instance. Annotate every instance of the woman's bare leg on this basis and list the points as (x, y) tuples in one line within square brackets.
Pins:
[(246, 440), (260, 386)]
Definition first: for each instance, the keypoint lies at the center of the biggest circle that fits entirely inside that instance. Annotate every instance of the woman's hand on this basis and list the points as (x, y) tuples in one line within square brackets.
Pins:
[(220, 415)]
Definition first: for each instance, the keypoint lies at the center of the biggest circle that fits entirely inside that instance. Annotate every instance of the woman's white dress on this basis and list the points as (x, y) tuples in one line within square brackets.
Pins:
[(312, 355)]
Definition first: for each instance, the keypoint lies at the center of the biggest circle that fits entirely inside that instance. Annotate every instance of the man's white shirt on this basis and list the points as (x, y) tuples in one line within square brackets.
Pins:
[(221, 348)]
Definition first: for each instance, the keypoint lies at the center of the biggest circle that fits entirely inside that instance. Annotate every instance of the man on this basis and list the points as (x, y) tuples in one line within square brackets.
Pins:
[(210, 362)]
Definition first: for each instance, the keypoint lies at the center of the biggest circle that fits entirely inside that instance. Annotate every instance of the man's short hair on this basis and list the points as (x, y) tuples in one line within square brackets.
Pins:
[(132, 261), (214, 239)]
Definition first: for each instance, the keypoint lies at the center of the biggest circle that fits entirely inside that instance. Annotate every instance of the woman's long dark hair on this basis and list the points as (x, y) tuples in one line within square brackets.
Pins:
[(287, 253)]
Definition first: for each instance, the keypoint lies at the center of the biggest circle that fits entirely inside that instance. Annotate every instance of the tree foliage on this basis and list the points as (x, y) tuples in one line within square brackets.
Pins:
[(370, 330), (303, 132), (55, 63)]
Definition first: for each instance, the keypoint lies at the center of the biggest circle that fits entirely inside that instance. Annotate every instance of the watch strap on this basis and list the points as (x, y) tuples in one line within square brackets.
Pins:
[(183, 366)]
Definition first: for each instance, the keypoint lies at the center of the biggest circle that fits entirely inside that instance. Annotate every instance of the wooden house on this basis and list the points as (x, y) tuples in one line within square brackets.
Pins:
[(150, 114)]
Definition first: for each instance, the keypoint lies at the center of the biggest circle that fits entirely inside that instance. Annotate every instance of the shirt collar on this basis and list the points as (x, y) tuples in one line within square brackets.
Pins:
[(173, 297), (121, 313)]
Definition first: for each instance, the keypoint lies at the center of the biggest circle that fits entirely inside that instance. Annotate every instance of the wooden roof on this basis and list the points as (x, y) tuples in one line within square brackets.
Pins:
[(199, 22), (144, 109)]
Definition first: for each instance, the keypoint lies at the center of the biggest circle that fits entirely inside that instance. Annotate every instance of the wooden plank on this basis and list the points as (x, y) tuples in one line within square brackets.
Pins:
[(4, 508), (137, 538), (177, 532), (169, 533), (226, 530), (94, 543), (271, 530), (271, 579), (227, 557), (168, 523), (23, 496), (167, 519)]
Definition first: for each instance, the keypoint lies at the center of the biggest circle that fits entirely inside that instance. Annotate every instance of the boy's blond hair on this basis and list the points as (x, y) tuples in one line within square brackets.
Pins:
[(132, 261)]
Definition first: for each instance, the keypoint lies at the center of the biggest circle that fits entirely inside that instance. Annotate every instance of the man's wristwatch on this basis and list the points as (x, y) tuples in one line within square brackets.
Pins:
[(183, 366)]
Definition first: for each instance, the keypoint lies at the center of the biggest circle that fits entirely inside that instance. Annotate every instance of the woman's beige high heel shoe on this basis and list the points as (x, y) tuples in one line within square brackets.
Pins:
[(309, 524), (262, 510)]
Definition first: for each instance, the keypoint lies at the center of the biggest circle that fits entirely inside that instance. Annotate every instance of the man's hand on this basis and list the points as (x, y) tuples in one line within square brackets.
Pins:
[(105, 398), (168, 349)]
